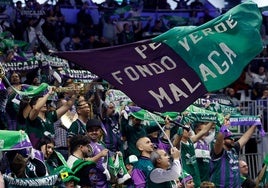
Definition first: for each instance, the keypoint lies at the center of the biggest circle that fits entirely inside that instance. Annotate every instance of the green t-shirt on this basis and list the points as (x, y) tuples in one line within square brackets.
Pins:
[(37, 127), (77, 128), (189, 162)]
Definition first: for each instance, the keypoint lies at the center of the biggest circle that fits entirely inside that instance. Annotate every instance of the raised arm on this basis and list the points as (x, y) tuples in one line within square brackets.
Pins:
[(39, 104), (218, 146), (177, 138), (201, 133), (246, 136), (66, 106), (167, 129)]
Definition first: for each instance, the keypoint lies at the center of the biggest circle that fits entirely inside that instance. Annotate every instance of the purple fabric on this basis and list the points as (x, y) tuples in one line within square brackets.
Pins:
[(203, 146), (101, 180), (2, 86), (138, 178), (144, 70), (186, 179)]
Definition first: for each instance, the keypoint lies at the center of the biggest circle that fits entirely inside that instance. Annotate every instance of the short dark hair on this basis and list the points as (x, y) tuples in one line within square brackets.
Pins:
[(77, 141), (44, 141)]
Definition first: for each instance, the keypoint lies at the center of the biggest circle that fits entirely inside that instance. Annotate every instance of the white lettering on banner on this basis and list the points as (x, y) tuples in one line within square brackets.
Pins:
[(176, 91), (25, 65), (223, 68), (143, 48), (212, 68), (199, 35), (82, 74), (134, 73)]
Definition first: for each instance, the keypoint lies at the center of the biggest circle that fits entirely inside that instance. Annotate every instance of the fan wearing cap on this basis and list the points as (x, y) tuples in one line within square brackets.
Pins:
[(186, 180), (225, 156), (105, 165), (94, 132), (184, 140), (110, 120)]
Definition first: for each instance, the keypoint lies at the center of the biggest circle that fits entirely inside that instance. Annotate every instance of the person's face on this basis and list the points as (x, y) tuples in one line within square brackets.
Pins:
[(94, 133), (14, 79), (199, 128), (110, 109), (36, 81), (189, 184), (186, 133), (146, 145), (44, 108), (69, 93), (261, 70), (265, 93), (129, 167), (69, 184), (47, 150), (243, 168), (229, 142), (164, 160), (85, 149), (136, 121), (83, 108)]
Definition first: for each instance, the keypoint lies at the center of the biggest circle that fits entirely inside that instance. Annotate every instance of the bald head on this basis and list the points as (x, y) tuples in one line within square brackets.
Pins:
[(144, 145)]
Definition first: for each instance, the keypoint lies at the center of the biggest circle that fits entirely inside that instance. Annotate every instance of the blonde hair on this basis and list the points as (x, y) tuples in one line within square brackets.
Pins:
[(207, 184)]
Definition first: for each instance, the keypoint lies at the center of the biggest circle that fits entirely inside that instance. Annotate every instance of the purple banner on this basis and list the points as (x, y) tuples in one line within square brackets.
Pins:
[(151, 74)]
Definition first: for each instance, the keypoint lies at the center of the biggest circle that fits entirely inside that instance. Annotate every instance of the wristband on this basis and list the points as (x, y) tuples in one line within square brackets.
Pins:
[(180, 131), (224, 130), (167, 128)]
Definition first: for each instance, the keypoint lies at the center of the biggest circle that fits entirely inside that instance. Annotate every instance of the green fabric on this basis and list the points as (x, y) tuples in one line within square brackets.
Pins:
[(236, 33), (34, 90), (56, 164), (14, 140), (197, 114), (266, 160), (149, 118), (80, 163), (77, 128), (189, 162), (36, 128)]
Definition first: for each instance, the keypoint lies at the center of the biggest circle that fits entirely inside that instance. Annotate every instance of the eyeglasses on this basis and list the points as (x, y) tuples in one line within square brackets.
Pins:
[(244, 166), (81, 106)]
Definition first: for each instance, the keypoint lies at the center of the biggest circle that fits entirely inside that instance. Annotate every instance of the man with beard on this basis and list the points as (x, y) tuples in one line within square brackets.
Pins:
[(225, 157), (83, 167), (110, 120), (105, 165)]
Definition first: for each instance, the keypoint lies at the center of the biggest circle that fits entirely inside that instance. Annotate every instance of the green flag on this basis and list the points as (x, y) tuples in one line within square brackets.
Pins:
[(219, 50)]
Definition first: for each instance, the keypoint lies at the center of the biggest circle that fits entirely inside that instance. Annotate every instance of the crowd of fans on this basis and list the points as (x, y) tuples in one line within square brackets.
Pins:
[(96, 25), (97, 144)]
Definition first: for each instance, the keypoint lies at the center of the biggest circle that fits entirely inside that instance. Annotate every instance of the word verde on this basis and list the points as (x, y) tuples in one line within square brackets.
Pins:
[(209, 70)]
